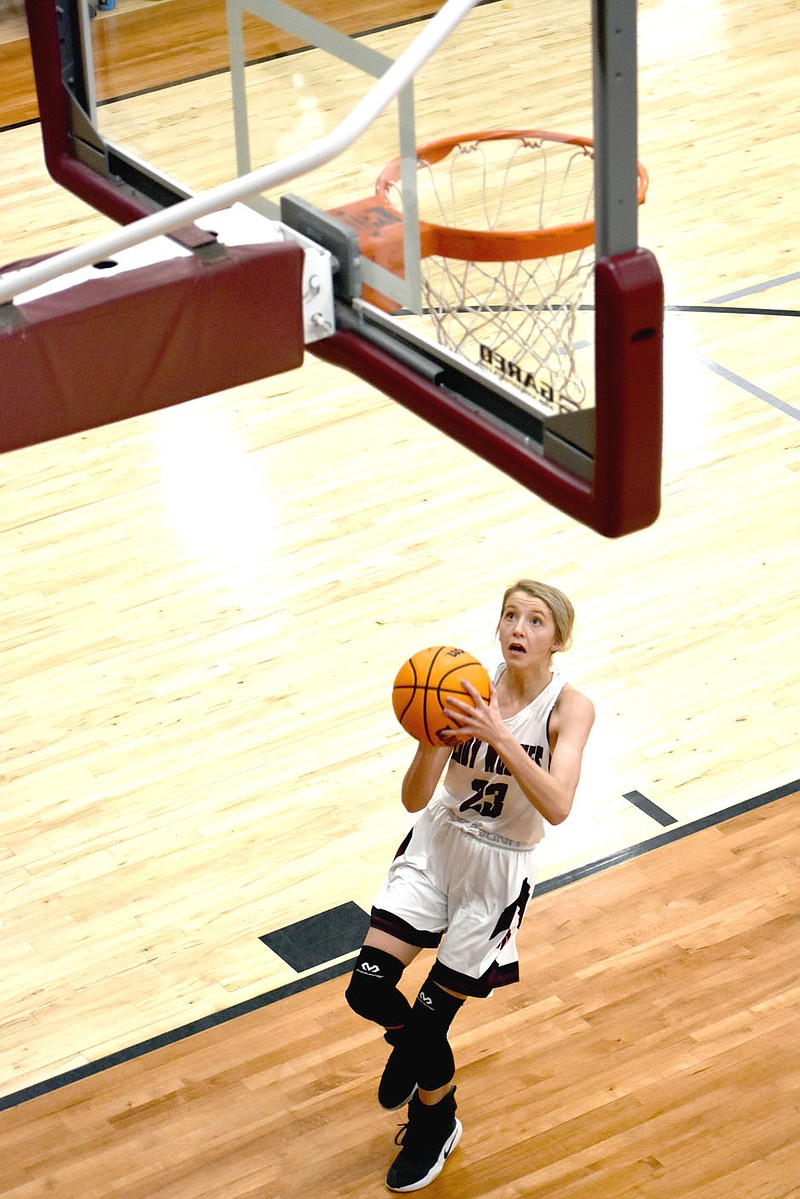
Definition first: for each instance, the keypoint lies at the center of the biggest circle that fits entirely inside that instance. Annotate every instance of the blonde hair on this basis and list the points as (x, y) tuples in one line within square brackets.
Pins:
[(557, 603)]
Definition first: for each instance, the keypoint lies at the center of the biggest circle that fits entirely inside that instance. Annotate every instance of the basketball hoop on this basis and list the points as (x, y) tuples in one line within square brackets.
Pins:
[(503, 293)]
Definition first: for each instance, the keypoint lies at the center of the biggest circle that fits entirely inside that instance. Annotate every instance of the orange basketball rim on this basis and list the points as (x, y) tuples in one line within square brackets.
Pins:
[(379, 223)]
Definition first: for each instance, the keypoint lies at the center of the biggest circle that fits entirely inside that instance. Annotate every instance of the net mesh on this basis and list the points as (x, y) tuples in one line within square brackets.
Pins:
[(523, 319)]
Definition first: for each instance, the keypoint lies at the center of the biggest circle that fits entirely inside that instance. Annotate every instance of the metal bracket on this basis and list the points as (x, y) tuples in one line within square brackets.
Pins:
[(338, 239)]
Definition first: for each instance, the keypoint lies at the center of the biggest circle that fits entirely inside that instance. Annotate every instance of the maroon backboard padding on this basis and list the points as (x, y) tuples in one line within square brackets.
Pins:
[(625, 493), (107, 196), (145, 339), (629, 390), (467, 426)]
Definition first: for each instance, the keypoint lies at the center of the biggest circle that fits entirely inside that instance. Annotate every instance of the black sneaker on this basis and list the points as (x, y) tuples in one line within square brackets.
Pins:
[(399, 1079), (428, 1139)]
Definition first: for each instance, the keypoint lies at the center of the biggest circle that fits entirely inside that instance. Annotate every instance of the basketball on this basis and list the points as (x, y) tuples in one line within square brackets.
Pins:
[(425, 681)]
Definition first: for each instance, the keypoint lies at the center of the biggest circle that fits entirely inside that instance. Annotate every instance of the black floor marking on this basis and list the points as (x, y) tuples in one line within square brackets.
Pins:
[(319, 939), (726, 310), (674, 834), (649, 808), (203, 1024), (339, 968)]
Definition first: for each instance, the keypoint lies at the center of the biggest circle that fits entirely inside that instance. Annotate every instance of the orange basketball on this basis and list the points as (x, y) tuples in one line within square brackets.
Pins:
[(425, 681)]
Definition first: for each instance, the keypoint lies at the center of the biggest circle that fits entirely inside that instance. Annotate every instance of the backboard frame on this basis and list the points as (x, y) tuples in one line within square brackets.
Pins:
[(622, 493)]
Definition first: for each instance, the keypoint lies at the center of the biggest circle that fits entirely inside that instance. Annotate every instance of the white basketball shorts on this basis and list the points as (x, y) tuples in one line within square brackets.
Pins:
[(453, 887)]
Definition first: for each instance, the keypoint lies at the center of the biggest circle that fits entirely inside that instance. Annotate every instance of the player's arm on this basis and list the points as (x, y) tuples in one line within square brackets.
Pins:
[(552, 791), (422, 777)]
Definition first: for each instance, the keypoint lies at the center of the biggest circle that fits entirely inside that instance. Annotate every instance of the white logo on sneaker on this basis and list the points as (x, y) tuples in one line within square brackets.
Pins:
[(453, 1140)]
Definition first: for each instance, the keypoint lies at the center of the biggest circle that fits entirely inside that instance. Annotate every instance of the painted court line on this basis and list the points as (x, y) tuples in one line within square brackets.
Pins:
[(339, 968), (649, 808), (746, 385)]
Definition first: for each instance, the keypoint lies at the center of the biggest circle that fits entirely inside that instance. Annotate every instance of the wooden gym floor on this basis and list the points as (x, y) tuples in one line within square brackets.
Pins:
[(203, 611)]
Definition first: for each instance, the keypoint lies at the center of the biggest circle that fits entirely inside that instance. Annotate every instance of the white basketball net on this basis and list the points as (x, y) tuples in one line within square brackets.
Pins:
[(516, 319)]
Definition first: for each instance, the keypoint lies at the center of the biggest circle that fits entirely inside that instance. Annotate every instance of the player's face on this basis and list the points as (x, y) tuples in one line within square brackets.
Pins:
[(527, 631)]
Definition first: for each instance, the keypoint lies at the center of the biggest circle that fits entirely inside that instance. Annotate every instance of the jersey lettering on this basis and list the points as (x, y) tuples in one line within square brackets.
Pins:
[(535, 753), (466, 754), (494, 763)]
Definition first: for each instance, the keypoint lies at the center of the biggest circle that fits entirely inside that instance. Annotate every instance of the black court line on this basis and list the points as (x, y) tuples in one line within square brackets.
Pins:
[(725, 310), (587, 306), (667, 838), (266, 58), (250, 62), (339, 968), (20, 124), (152, 1044), (649, 808), (310, 943)]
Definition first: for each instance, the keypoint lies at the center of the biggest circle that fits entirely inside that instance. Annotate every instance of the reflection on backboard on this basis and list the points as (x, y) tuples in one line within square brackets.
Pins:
[(493, 284)]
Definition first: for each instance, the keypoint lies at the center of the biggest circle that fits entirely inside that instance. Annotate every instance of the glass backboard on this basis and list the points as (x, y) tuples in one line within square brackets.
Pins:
[(493, 285)]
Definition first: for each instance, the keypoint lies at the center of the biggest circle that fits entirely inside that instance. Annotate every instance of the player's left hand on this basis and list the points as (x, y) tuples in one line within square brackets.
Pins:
[(477, 719)]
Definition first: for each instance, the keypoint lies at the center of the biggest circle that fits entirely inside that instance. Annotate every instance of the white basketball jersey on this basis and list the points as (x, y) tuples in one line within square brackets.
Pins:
[(481, 792)]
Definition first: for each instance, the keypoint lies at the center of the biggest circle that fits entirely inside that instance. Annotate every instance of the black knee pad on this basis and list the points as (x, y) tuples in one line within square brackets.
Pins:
[(372, 991), (430, 1021)]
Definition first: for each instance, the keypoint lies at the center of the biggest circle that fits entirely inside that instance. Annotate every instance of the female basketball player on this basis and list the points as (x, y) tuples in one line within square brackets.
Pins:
[(463, 876)]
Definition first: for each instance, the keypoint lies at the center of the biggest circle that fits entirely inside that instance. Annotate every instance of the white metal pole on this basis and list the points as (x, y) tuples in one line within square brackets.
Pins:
[(308, 159)]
